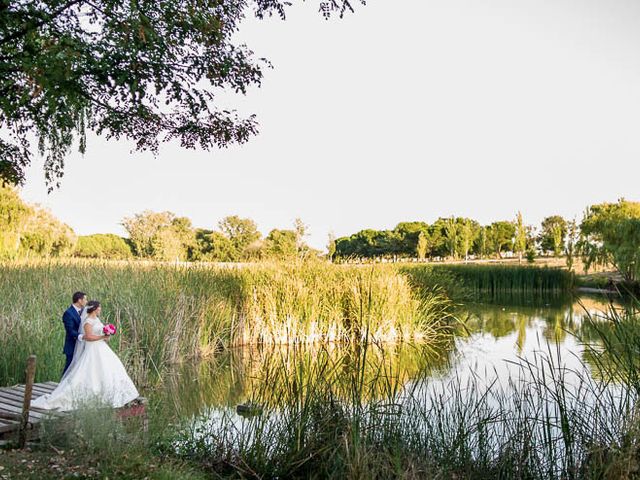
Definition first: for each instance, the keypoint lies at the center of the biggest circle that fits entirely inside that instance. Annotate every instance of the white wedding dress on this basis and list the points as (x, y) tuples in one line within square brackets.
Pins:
[(96, 377)]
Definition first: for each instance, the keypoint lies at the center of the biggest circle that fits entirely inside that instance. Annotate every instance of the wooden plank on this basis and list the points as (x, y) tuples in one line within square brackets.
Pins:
[(16, 395), (47, 385), (11, 393), (43, 387), (11, 398), (40, 386), (6, 421), (14, 392), (34, 417), (20, 388), (9, 428), (40, 390), (9, 417), (12, 403), (17, 409), (18, 402)]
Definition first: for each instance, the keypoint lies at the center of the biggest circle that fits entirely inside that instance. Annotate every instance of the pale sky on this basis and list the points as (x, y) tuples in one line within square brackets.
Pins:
[(406, 110)]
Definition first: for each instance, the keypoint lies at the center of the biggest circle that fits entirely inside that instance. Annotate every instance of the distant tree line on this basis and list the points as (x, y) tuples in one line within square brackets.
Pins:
[(457, 238), (164, 236), (608, 234), (28, 231)]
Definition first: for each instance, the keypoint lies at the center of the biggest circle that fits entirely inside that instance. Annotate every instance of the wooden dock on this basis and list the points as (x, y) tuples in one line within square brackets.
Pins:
[(12, 401), (17, 414)]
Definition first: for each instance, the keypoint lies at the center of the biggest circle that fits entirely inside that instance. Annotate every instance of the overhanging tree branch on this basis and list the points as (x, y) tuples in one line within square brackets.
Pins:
[(27, 28), (149, 73)]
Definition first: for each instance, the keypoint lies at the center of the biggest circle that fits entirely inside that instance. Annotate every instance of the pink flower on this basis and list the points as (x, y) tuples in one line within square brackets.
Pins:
[(109, 329)]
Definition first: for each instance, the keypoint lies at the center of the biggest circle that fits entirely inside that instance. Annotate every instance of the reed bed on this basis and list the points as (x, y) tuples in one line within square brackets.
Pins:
[(321, 303), (547, 422), (495, 282), (359, 411), (167, 314)]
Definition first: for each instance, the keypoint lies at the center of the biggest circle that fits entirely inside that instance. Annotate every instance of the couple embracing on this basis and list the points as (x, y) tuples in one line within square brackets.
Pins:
[(92, 372)]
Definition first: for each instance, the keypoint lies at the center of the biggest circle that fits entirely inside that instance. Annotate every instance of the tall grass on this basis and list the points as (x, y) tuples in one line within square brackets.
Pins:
[(97, 442), (547, 422), (495, 283), (359, 411), (167, 314)]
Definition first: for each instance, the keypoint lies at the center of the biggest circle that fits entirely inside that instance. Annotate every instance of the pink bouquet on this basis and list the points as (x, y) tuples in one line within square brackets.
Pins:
[(109, 329)]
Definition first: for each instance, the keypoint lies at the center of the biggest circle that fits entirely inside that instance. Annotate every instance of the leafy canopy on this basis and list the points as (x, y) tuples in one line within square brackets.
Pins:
[(282, 244), (30, 231), (610, 234), (145, 71), (242, 232), (213, 246), (103, 245), (553, 234), (159, 235)]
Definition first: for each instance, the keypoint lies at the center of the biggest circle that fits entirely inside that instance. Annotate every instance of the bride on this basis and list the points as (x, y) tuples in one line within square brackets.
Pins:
[(96, 374)]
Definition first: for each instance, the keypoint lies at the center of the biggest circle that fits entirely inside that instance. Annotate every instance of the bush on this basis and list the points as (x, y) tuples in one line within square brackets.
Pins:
[(31, 231), (44, 235), (105, 246)]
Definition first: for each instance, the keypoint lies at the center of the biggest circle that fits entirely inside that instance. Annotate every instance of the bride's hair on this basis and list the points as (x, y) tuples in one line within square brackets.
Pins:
[(92, 306)]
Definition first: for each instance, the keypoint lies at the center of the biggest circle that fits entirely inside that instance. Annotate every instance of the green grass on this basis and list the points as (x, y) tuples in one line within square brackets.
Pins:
[(94, 443), (363, 424), (348, 412), (171, 314), (495, 283), (549, 422)]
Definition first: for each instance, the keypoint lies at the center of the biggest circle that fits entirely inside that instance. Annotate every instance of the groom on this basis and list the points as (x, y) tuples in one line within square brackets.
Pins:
[(71, 319)]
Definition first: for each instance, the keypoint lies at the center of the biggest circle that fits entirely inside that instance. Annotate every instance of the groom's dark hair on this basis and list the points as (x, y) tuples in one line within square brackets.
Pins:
[(78, 296)]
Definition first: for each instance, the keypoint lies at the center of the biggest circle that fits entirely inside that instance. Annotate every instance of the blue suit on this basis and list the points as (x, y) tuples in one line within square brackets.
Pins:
[(71, 320)]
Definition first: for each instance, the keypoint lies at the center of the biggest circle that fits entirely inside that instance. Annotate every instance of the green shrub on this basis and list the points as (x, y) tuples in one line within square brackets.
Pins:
[(104, 246)]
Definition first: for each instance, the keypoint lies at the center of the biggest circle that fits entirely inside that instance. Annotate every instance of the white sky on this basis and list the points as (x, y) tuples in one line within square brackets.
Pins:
[(406, 110)]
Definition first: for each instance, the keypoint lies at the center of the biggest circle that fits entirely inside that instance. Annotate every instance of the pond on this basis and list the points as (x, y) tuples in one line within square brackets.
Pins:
[(493, 342)]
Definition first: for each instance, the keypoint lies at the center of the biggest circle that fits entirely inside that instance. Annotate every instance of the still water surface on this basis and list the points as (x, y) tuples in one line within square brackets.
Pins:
[(494, 344)]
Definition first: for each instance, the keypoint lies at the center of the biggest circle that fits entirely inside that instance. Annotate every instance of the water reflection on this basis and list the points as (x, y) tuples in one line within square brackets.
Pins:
[(493, 341), (553, 322), (269, 375)]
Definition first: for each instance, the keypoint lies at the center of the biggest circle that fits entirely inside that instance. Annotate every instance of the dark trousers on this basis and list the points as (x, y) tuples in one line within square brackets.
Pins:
[(67, 363)]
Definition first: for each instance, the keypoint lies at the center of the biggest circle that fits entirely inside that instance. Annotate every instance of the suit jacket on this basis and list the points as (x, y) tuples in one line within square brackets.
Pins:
[(71, 320)]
